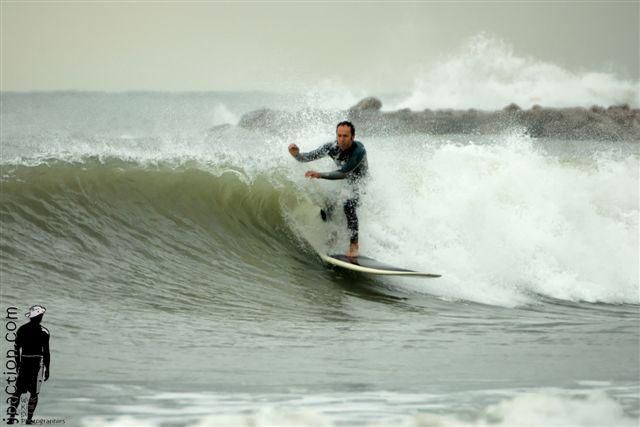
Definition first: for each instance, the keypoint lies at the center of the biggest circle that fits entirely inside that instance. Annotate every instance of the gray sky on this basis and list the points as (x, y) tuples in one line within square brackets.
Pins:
[(184, 46)]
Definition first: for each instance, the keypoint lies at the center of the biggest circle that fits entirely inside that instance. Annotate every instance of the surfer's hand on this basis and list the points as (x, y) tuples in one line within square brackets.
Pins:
[(312, 174), (294, 150)]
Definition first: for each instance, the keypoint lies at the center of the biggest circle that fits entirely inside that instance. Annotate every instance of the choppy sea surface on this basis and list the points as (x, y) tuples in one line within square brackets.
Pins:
[(178, 261)]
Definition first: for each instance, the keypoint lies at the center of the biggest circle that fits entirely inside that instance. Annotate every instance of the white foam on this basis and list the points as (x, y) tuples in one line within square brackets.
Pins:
[(487, 74), (122, 421), (591, 409), (267, 417), (552, 407), (504, 221), (222, 115)]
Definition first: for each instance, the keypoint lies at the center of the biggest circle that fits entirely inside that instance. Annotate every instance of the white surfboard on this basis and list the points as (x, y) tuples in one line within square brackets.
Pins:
[(368, 265)]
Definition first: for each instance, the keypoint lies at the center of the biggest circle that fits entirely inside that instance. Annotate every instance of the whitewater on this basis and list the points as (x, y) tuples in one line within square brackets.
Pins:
[(177, 256)]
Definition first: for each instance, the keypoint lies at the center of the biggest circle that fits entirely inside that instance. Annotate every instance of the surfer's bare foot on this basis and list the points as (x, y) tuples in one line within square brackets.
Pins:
[(353, 251)]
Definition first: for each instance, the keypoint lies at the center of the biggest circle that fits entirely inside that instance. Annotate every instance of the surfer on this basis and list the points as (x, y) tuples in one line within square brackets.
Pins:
[(351, 158), (32, 357)]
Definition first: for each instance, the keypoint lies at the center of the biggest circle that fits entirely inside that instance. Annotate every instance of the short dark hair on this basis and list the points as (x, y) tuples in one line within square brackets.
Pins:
[(351, 126)]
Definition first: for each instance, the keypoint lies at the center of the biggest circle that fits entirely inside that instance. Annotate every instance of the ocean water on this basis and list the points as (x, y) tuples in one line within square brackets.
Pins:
[(178, 261)]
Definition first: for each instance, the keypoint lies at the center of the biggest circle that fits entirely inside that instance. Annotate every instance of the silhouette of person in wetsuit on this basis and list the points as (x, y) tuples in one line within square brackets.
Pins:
[(32, 359)]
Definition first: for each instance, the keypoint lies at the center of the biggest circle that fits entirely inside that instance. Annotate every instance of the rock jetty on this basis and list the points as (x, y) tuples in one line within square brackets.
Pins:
[(615, 123)]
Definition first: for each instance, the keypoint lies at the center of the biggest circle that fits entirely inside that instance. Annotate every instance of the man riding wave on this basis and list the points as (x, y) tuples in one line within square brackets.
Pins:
[(351, 158)]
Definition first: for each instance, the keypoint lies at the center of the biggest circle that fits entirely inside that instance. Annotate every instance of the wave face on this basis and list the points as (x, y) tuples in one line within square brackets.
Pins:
[(147, 233), (514, 219)]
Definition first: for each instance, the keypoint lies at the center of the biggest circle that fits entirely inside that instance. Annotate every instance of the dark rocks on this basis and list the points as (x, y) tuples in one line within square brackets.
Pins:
[(368, 104), (262, 118), (512, 108), (613, 123)]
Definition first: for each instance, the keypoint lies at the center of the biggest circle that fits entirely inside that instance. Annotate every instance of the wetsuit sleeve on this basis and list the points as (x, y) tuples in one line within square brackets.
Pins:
[(315, 154), (333, 175), (353, 162)]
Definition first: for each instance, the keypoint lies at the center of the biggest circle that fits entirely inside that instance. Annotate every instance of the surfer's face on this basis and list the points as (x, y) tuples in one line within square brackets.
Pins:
[(344, 137)]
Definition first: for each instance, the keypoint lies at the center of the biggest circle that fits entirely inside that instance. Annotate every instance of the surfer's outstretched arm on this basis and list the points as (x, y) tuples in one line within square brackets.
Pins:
[(311, 155)]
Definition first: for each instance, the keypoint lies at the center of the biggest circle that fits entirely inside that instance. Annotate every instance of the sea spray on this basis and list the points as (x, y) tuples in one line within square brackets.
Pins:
[(506, 217), (488, 74)]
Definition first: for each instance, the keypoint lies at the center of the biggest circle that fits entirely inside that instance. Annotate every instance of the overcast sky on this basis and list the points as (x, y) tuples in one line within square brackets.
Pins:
[(200, 46)]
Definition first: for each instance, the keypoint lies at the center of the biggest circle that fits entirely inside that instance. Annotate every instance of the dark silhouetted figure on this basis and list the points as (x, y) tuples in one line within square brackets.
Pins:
[(32, 359)]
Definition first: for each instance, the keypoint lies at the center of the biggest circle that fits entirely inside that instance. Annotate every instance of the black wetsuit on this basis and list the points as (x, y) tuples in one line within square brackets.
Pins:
[(353, 167), (32, 349)]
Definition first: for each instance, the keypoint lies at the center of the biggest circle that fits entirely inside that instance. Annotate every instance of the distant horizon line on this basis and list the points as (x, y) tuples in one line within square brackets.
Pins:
[(509, 106), (123, 91), (167, 91), (187, 92)]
